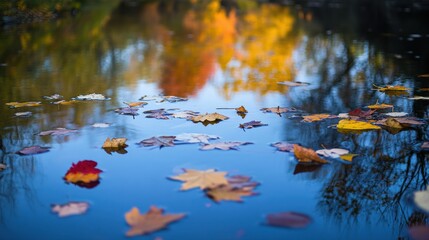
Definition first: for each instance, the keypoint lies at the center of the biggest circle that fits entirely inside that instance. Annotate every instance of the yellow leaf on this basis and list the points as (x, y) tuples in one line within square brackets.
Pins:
[(23, 104), (63, 102), (392, 88), (135, 104), (115, 143), (348, 157), (346, 124), (380, 106), (315, 117), (81, 177)]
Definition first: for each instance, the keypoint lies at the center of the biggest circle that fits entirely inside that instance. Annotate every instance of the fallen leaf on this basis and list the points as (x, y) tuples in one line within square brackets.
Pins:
[(157, 114), (2, 166), (380, 106), (396, 114), (252, 124), (348, 157), (241, 182), (115, 145), (332, 153), (279, 110), (23, 114), (195, 138), (228, 193), (33, 150), (391, 88), (135, 104), (419, 232), (162, 141), (317, 117), (57, 131), (360, 113), (84, 174), (203, 179), (423, 75), (390, 122), (70, 208), (101, 125), (283, 146), (23, 104), (418, 98), (293, 84), (399, 122), (53, 97), (127, 111), (241, 109), (303, 154), (421, 199), (224, 145), (288, 219), (173, 99), (185, 114), (346, 124), (92, 96), (64, 102), (209, 117), (152, 221)]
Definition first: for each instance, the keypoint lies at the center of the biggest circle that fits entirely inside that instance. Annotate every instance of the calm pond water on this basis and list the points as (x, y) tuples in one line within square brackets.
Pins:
[(217, 56)]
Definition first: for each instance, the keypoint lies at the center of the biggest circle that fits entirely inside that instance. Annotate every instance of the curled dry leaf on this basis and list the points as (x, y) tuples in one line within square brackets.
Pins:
[(195, 138), (69, 209), (252, 124), (224, 145), (303, 154), (421, 199), (354, 125), (151, 221), (209, 117), (23, 104), (203, 179), (317, 117), (288, 219), (84, 174), (57, 131), (33, 150), (162, 141), (283, 146)]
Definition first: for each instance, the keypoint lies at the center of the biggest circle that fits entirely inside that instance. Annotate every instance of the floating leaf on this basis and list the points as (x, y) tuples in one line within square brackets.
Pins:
[(332, 153), (185, 114), (252, 124), (162, 141), (152, 221), (348, 157), (195, 138), (228, 193), (157, 113), (380, 106), (224, 145), (135, 104), (396, 114), (421, 199), (293, 84), (241, 109), (317, 117), (69, 209), (84, 174), (209, 117), (127, 111), (115, 145), (354, 125), (53, 97), (57, 131), (203, 179), (283, 146), (241, 182), (23, 104), (101, 125), (419, 232), (288, 219), (33, 150), (360, 113), (418, 98), (173, 99), (303, 154), (23, 114), (279, 110), (92, 96), (64, 102), (391, 88), (399, 122)]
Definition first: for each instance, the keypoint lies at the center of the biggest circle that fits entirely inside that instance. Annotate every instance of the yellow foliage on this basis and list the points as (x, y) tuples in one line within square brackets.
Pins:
[(81, 177), (380, 106), (346, 124)]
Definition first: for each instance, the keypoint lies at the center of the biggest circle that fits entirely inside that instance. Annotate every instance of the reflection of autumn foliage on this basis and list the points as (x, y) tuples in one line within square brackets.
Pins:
[(190, 61)]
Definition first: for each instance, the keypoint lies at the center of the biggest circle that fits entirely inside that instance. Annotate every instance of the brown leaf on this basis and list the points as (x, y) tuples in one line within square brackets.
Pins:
[(399, 122), (23, 104), (423, 75), (288, 219), (69, 209), (33, 150), (127, 111), (241, 109), (152, 221), (317, 117), (203, 179), (115, 145), (362, 114), (303, 154), (283, 146), (392, 88), (162, 141), (228, 193), (210, 117), (224, 145), (57, 131), (279, 110), (135, 104), (252, 124)]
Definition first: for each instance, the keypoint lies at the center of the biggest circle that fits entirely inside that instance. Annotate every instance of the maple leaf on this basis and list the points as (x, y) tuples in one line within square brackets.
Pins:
[(23, 104), (252, 124), (279, 110), (241, 182), (283, 146), (152, 221), (316, 117), (303, 154), (57, 131), (33, 150), (354, 125), (228, 193), (115, 145), (127, 111), (162, 141), (157, 114), (209, 117), (379, 106), (203, 179), (288, 219), (224, 145), (84, 173), (195, 138), (70, 208)]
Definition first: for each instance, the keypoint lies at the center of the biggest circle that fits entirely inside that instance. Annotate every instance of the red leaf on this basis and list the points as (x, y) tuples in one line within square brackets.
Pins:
[(85, 167)]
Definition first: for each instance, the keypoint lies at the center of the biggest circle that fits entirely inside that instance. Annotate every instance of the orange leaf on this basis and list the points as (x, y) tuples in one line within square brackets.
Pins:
[(306, 155)]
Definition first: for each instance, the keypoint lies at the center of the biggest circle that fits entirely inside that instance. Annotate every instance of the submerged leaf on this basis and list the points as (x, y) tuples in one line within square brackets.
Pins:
[(224, 145), (151, 221), (69, 209), (303, 154), (33, 150), (162, 141), (346, 124), (203, 179), (288, 219), (23, 104), (57, 131)]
